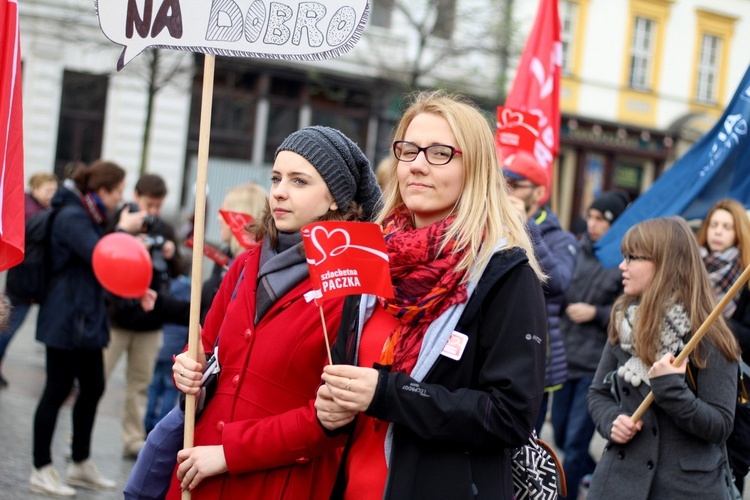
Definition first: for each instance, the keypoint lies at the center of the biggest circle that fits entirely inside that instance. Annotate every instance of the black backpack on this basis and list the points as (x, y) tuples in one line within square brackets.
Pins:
[(29, 280)]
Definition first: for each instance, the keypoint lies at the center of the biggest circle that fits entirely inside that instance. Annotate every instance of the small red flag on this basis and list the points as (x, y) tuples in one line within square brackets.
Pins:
[(11, 139), (536, 88), (347, 258), (211, 252), (238, 223)]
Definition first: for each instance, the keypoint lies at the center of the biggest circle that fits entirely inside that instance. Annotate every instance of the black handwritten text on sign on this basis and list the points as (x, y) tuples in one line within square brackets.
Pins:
[(290, 29)]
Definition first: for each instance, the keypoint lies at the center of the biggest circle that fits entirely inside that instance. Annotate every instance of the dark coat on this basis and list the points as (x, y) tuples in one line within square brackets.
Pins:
[(596, 286), (556, 250), (738, 444), (678, 452), (452, 431), (175, 333), (740, 323), (262, 412), (73, 316)]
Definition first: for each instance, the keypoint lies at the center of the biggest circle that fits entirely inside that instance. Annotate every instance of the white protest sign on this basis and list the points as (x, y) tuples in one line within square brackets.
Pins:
[(286, 29)]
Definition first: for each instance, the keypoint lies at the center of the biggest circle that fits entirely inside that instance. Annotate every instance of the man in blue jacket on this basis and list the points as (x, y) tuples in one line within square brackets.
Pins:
[(529, 187)]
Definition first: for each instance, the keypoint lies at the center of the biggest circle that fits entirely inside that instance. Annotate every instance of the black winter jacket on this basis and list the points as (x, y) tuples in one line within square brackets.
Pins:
[(740, 323), (452, 431), (584, 342), (73, 316)]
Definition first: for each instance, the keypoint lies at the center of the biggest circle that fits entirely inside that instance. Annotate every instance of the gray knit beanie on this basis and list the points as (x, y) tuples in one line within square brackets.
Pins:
[(341, 164)]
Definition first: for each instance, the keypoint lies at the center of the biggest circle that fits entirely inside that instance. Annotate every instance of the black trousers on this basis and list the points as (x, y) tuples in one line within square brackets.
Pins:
[(63, 368)]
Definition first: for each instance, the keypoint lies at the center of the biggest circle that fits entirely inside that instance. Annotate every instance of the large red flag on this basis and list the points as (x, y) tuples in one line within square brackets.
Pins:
[(536, 88), (347, 258), (11, 139)]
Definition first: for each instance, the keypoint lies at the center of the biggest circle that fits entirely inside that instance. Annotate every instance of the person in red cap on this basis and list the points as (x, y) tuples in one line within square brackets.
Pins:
[(529, 187)]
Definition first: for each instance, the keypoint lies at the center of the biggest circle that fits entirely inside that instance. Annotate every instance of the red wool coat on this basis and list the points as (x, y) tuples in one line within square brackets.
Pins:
[(262, 412)]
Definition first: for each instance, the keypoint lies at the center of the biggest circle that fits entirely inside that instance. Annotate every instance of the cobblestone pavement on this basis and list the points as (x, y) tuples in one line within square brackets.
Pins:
[(23, 367)]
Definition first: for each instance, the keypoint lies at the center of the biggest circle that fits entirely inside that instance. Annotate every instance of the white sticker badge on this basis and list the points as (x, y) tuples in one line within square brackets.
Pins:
[(455, 346)]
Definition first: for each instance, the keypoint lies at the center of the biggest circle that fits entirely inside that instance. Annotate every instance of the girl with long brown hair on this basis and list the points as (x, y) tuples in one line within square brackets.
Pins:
[(675, 450)]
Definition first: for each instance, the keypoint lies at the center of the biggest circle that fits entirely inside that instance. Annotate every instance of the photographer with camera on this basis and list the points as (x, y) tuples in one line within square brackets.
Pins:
[(134, 331)]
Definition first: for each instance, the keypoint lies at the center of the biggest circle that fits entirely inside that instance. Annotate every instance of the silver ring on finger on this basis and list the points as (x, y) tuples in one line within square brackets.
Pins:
[(182, 371), (348, 385)]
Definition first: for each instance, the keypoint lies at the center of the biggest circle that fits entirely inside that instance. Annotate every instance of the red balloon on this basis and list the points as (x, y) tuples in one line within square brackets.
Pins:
[(122, 265)]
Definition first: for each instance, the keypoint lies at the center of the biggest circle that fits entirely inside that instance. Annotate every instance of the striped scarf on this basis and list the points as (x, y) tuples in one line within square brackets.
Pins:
[(723, 270), (425, 284)]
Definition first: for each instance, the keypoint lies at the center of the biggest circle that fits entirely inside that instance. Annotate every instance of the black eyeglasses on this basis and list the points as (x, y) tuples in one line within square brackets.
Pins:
[(629, 257), (437, 154)]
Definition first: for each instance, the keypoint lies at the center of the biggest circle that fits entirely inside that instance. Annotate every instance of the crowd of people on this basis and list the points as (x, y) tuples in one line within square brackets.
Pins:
[(477, 260)]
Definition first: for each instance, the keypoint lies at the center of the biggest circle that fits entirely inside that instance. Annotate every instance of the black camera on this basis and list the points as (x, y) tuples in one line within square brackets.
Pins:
[(154, 242), (148, 221), (153, 239)]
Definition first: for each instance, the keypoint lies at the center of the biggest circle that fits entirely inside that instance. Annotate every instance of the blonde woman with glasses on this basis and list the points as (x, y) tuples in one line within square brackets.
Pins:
[(436, 385)]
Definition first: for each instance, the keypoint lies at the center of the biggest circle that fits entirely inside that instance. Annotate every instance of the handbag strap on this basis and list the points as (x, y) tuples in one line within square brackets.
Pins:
[(562, 486)]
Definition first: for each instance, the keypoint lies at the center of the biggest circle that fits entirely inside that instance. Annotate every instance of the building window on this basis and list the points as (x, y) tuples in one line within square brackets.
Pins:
[(380, 14), (714, 35), (284, 97), (341, 107), (641, 53), (445, 21), (82, 108), (568, 26), (232, 112), (708, 69)]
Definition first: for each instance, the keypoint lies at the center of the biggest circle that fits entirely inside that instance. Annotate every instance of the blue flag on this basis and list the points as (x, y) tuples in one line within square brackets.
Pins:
[(716, 167)]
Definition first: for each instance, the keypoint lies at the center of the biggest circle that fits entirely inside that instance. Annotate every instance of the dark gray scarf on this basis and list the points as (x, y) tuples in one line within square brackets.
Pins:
[(281, 269)]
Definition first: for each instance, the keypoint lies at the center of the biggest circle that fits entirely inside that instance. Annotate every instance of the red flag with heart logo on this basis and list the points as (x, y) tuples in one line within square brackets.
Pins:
[(238, 223), (536, 88), (346, 258), (11, 139)]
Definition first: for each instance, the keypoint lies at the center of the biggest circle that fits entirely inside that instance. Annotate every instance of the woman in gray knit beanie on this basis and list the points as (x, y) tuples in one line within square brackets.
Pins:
[(272, 347), (344, 168)]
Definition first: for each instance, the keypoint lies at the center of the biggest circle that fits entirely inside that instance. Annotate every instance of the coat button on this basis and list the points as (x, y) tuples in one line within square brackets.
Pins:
[(248, 335), (220, 426), (650, 465), (620, 454), (625, 391), (654, 430), (235, 380), (302, 460)]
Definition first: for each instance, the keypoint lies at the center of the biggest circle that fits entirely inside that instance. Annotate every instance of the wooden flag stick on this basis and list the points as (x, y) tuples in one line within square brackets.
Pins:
[(680, 358), (325, 333), (196, 277)]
